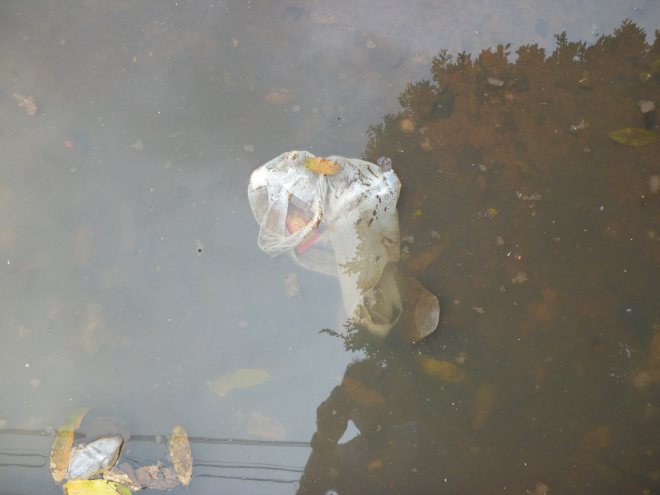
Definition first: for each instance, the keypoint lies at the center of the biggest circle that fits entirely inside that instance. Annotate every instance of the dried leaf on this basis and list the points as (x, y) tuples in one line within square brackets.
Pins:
[(157, 477), (441, 369), (596, 439), (634, 136), (361, 394), (321, 166), (420, 262), (181, 455), (94, 487), (61, 451), (483, 405), (240, 378), (266, 427)]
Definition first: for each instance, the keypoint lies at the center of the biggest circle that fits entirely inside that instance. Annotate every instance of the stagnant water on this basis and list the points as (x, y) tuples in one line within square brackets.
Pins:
[(132, 279)]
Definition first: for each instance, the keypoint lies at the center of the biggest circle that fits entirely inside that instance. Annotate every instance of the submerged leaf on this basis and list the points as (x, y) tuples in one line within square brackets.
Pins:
[(361, 394), (634, 136), (240, 378), (321, 166), (653, 361), (181, 455), (61, 452), (94, 487), (483, 405), (419, 263), (266, 427), (596, 439), (441, 369)]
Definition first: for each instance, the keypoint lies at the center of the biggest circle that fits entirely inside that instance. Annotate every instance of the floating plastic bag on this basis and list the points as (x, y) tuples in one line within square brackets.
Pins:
[(338, 216)]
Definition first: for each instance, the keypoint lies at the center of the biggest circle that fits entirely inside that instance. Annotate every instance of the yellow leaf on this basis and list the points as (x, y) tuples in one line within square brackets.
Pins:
[(240, 378), (441, 369), (181, 455), (59, 455), (596, 439), (94, 487), (634, 136), (321, 166), (483, 405), (361, 394)]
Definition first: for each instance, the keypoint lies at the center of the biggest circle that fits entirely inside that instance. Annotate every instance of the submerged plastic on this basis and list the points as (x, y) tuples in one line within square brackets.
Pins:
[(338, 216)]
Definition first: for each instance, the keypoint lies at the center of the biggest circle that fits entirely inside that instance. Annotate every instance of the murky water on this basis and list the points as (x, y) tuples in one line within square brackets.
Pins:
[(132, 278)]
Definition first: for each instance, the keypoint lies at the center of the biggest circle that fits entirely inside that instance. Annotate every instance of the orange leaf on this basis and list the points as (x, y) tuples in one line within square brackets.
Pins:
[(321, 166)]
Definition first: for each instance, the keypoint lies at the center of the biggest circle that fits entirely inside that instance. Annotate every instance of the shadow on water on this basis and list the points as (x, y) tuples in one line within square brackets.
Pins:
[(548, 273), (538, 231)]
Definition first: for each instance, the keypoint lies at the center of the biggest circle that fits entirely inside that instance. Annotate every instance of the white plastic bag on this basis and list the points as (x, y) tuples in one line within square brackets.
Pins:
[(344, 225)]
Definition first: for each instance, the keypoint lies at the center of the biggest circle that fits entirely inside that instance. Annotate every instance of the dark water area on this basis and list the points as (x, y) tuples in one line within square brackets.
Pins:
[(132, 283)]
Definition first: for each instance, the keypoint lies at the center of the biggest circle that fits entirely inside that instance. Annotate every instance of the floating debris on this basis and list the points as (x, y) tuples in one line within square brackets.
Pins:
[(61, 451), (157, 477), (95, 487), (92, 459), (181, 455), (531, 197)]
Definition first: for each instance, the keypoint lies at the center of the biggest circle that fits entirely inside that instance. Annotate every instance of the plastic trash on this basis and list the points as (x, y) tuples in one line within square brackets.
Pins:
[(338, 216)]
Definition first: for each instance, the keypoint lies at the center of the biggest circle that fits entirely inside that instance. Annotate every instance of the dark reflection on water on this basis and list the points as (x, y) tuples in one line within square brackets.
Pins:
[(131, 275)]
